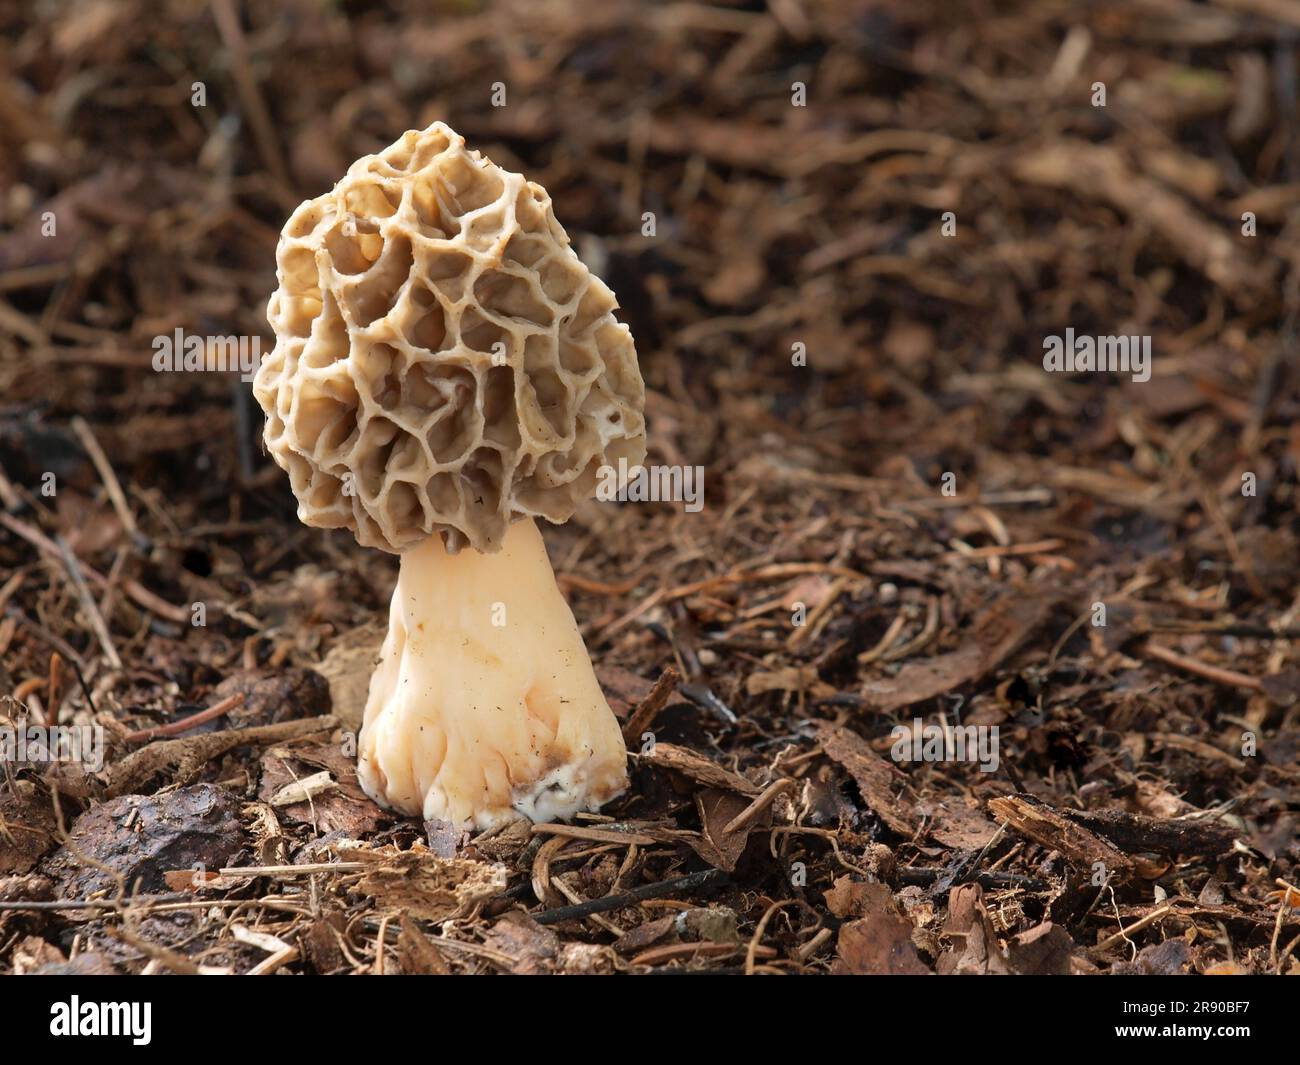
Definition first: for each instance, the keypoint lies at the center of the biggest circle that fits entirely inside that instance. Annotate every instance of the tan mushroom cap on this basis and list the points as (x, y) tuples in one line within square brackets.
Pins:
[(444, 362)]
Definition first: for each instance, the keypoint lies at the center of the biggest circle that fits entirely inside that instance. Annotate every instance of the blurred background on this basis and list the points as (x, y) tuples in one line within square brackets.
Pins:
[(801, 312), (775, 224)]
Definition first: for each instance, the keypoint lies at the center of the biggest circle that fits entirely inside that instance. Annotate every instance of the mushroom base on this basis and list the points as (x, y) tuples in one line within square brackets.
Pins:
[(484, 704)]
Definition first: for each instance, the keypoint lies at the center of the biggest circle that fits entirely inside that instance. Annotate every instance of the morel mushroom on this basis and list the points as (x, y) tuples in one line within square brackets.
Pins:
[(445, 371)]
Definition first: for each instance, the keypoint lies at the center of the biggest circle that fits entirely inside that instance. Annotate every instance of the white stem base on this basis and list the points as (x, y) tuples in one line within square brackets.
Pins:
[(484, 704)]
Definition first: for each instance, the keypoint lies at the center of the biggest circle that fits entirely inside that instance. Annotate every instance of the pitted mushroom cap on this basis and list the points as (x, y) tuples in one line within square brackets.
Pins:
[(444, 362)]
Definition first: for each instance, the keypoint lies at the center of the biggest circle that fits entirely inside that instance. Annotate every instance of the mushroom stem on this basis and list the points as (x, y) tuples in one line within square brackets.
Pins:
[(484, 704)]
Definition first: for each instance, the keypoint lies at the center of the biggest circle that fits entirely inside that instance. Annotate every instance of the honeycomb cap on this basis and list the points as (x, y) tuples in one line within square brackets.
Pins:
[(444, 363)]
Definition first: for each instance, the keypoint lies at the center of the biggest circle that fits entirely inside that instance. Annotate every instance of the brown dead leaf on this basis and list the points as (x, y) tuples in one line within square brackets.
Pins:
[(304, 789), (532, 949), (789, 679), (878, 946), (999, 631), (1154, 800), (879, 941), (954, 823), (660, 930), (320, 943), (1045, 950), (341, 807), (190, 879), (884, 788), (92, 526), (711, 924), (717, 808), (973, 945), (417, 954), (697, 768), (856, 898)]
